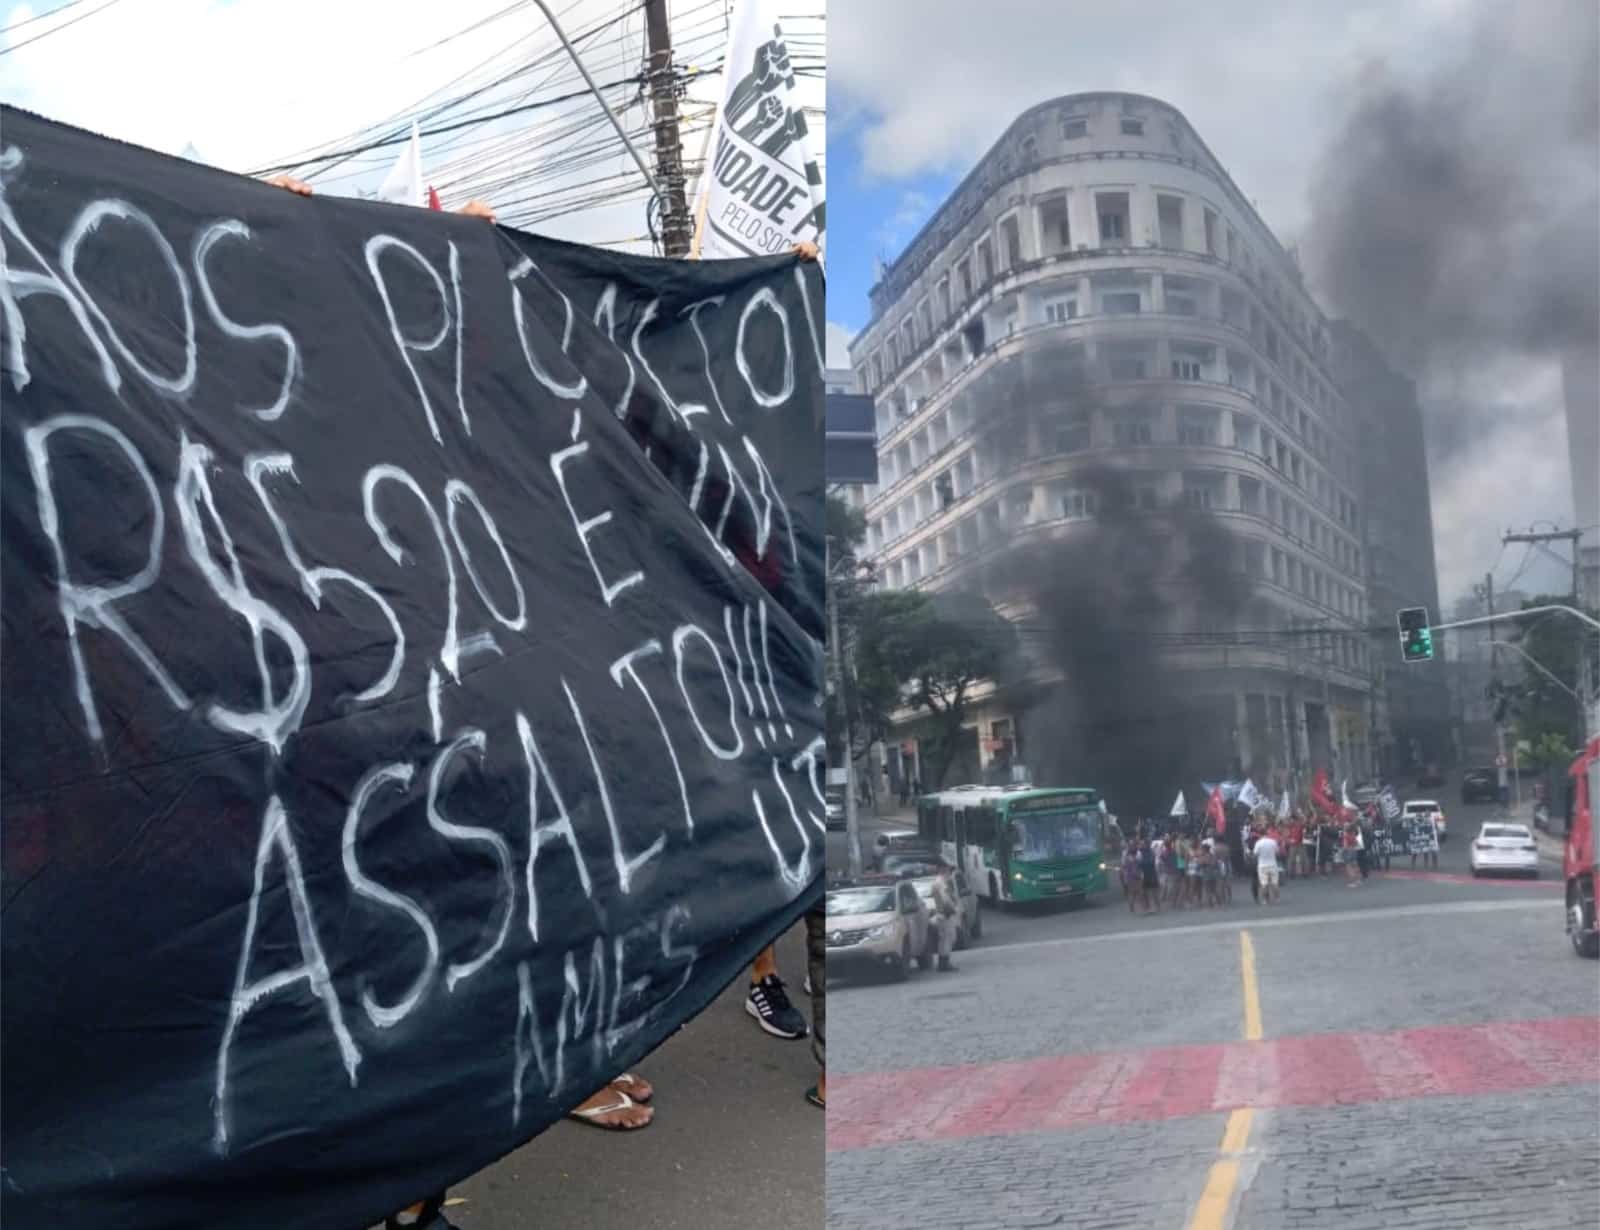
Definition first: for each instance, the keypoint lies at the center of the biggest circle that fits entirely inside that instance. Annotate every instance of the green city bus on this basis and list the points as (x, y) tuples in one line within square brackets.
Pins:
[(1020, 843)]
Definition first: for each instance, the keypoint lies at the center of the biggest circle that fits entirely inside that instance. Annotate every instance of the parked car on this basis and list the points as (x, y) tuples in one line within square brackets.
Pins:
[(969, 926), (833, 800), (1422, 807), (1505, 847), (896, 851), (1480, 786), (877, 923)]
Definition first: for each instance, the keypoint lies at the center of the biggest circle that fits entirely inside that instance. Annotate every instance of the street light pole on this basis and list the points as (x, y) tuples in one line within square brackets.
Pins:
[(852, 818)]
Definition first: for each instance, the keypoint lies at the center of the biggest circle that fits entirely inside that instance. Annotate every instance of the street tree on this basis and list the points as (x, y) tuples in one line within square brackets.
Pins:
[(929, 652), (1548, 717)]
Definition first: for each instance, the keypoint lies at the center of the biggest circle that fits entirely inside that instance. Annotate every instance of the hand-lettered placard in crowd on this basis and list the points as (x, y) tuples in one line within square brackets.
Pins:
[(412, 665)]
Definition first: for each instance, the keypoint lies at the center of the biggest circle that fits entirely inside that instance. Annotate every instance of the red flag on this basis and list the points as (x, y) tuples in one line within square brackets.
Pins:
[(433, 198), (1214, 811), (1322, 796)]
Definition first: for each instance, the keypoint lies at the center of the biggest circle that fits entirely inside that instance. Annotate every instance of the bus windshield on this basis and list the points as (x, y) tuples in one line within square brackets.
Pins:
[(1052, 835)]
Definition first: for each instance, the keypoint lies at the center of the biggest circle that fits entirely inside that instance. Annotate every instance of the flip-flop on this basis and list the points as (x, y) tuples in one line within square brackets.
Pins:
[(629, 1085), (816, 1099), (592, 1114)]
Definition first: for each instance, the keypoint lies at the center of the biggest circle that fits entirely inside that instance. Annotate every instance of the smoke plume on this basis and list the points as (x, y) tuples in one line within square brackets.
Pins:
[(1456, 218), (1100, 606)]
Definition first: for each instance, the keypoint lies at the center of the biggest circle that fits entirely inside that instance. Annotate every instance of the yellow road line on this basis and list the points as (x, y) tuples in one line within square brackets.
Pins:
[(1237, 1134), (1212, 1211), (1252, 1000)]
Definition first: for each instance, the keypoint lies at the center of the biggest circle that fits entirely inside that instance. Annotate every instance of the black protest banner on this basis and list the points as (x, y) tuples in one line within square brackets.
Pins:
[(391, 755)]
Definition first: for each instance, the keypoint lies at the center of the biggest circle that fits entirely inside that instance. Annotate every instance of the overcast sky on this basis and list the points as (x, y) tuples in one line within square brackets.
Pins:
[(919, 89), (248, 82)]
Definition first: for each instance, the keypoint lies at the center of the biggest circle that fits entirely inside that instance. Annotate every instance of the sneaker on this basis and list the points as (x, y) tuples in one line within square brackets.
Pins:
[(769, 1003)]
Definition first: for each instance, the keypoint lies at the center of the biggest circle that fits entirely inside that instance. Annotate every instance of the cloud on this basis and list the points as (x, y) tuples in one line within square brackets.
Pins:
[(838, 339), (902, 224)]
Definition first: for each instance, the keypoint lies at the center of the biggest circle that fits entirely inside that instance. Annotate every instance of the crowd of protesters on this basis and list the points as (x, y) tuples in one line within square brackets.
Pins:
[(1184, 864)]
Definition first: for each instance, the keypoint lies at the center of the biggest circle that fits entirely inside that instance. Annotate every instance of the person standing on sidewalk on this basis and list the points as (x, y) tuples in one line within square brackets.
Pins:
[(946, 914)]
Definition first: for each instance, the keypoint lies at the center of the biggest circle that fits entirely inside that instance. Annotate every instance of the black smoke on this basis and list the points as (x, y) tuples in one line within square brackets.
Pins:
[(1101, 605), (1456, 217)]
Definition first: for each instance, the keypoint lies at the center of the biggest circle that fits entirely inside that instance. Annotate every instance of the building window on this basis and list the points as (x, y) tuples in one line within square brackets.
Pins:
[(1132, 127), (964, 277), (1120, 303), (1169, 219), (1059, 310), (1134, 430), (1127, 367), (1200, 493), (1197, 426), (1072, 130), (1190, 362), (1030, 148), (1113, 210), (1077, 505), (1072, 434), (1019, 503), (1211, 232), (985, 259), (1011, 242), (1182, 296), (944, 299), (1054, 231)]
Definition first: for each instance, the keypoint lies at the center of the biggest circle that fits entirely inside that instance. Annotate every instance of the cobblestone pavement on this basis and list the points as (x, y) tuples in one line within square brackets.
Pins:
[(1427, 1059)]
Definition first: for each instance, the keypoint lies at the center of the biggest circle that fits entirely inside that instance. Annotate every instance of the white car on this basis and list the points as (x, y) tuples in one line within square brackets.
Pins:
[(1422, 807), (1505, 847)]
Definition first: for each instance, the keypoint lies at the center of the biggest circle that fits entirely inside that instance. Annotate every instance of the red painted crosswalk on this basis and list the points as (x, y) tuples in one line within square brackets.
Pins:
[(1059, 1093)]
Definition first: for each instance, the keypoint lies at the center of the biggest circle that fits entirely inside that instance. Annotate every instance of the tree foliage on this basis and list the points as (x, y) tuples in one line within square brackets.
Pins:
[(1548, 717), (929, 651)]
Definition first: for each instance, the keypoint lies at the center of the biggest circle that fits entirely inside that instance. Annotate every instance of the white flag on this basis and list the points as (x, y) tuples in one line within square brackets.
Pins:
[(404, 183), (761, 192), (1344, 790), (1179, 806), (1284, 808), (1250, 796)]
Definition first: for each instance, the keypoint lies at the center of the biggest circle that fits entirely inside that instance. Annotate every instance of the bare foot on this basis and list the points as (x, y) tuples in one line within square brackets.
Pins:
[(297, 186)]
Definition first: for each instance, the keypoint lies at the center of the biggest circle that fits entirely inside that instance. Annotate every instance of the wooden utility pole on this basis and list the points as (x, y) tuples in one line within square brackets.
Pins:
[(677, 227)]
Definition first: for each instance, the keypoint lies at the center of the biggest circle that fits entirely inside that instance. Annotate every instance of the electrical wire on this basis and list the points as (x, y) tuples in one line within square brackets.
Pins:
[(28, 42), (28, 21)]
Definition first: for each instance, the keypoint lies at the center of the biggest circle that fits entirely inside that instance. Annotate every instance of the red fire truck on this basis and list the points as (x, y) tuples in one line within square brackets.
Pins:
[(1580, 863)]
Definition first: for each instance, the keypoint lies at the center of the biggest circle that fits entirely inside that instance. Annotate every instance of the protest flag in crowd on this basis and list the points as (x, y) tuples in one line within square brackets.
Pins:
[(1180, 806), (1214, 811), (762, 189), (433, 198), (1250, 796), (403, 185), (1284, 807)]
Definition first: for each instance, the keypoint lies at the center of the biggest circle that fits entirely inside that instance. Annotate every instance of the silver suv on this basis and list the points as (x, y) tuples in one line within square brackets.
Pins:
[(877, 923)]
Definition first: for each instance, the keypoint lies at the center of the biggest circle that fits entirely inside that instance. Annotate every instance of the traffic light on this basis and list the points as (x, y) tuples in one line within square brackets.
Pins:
[(1416, 636)]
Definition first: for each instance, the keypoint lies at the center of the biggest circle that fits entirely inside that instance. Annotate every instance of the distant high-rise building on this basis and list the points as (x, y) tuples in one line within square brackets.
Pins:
[(1411, 703), (1580, 386)]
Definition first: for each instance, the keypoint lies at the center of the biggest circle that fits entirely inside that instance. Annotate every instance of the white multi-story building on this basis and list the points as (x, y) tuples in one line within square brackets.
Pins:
[(1099, 235)]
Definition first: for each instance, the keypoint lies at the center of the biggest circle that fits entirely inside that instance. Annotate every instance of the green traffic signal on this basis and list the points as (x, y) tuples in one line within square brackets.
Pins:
[(1416, 635)]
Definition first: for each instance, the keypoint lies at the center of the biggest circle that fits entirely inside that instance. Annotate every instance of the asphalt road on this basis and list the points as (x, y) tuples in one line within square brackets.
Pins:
[(1421, 1052), (732, 1132)]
